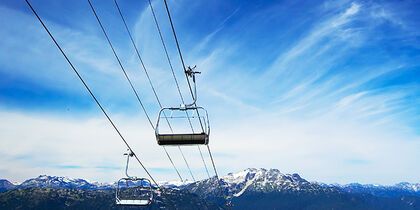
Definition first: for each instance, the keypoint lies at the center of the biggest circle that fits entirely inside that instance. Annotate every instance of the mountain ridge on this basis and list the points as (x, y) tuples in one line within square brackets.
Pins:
[(6, 185), (234, 184), (248, 189)]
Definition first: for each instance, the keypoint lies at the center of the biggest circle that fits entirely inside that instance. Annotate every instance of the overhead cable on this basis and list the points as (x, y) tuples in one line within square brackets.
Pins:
[(150, 82), (192, 95), (176, 83), (94, 98)]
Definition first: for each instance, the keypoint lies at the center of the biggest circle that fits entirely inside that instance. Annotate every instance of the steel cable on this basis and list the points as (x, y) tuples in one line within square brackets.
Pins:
[(150, 82), (177, 85), (121, 66), (189, 85), (95, 99)]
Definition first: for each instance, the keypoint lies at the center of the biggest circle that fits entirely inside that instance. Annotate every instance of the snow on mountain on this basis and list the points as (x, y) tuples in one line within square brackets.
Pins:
[(263, 180), (233, 184), (400, 189), (255, 180), (272, 180), (174, 184), (44, 181), (409, 187), (6, 185)]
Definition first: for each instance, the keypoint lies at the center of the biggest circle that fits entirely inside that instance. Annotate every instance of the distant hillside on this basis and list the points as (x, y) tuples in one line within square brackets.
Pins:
[(44, 181), (270, 189), (400, 189), (6, 185), (47, 198), (248, 189)]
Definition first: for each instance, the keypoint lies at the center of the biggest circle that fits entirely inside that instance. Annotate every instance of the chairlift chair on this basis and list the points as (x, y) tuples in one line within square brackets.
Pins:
[(139, 189), (185, 138)]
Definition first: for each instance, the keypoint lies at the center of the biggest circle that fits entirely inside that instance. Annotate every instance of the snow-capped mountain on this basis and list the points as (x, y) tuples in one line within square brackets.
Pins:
[(256, 180), (400, 189), (233, 184), (263, 180), (174, 184), (409, 186), (6, 185), (248, 189), (44, 181)]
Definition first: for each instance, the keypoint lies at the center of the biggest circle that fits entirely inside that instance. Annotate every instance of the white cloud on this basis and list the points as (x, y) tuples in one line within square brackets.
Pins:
[(296, 116), (349, 99), (318, 148), (352, 10), (309, 43)]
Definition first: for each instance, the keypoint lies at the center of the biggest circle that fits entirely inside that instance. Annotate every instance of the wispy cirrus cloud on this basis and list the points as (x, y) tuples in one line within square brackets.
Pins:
[(327, 90)]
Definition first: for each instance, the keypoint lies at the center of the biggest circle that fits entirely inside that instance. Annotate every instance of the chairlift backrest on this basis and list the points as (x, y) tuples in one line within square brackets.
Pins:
[(192, 137), (134, 191), (184, 138)]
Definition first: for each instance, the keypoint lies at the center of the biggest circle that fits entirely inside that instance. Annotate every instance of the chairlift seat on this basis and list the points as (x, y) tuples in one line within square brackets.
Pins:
[(183, 139), (133, 202), (142, 199)]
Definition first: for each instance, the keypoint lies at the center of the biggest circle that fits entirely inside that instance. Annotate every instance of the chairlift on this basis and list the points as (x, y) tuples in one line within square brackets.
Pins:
[(185, 138), (133, 191)]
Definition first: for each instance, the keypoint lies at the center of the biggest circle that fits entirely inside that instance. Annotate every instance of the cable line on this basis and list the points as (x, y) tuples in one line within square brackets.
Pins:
[(150, 82), (129, 81), (177, 85), (183, 65), (182, 60), (177, 45), (95, 99), (188, 166), (122, 68), (169, 61), (165, 49), (173, 165), (192, 95), (141, 60), (202, 158), (176, 82), (217, 177)]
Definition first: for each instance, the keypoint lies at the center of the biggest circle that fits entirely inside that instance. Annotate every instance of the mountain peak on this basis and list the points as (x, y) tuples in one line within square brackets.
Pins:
[(255, 180), (6, 185), (45, 181), (261, 174)]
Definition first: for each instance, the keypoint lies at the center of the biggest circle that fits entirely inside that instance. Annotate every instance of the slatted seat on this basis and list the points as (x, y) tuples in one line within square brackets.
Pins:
[(133, 202), (172, 137), (182, 139), (133, 191)]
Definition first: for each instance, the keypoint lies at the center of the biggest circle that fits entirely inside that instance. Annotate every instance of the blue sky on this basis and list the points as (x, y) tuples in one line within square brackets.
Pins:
[(326, 89)]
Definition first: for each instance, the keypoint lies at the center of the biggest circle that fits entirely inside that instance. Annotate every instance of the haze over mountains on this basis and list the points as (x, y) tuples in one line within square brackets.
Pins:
[(265, 188)]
